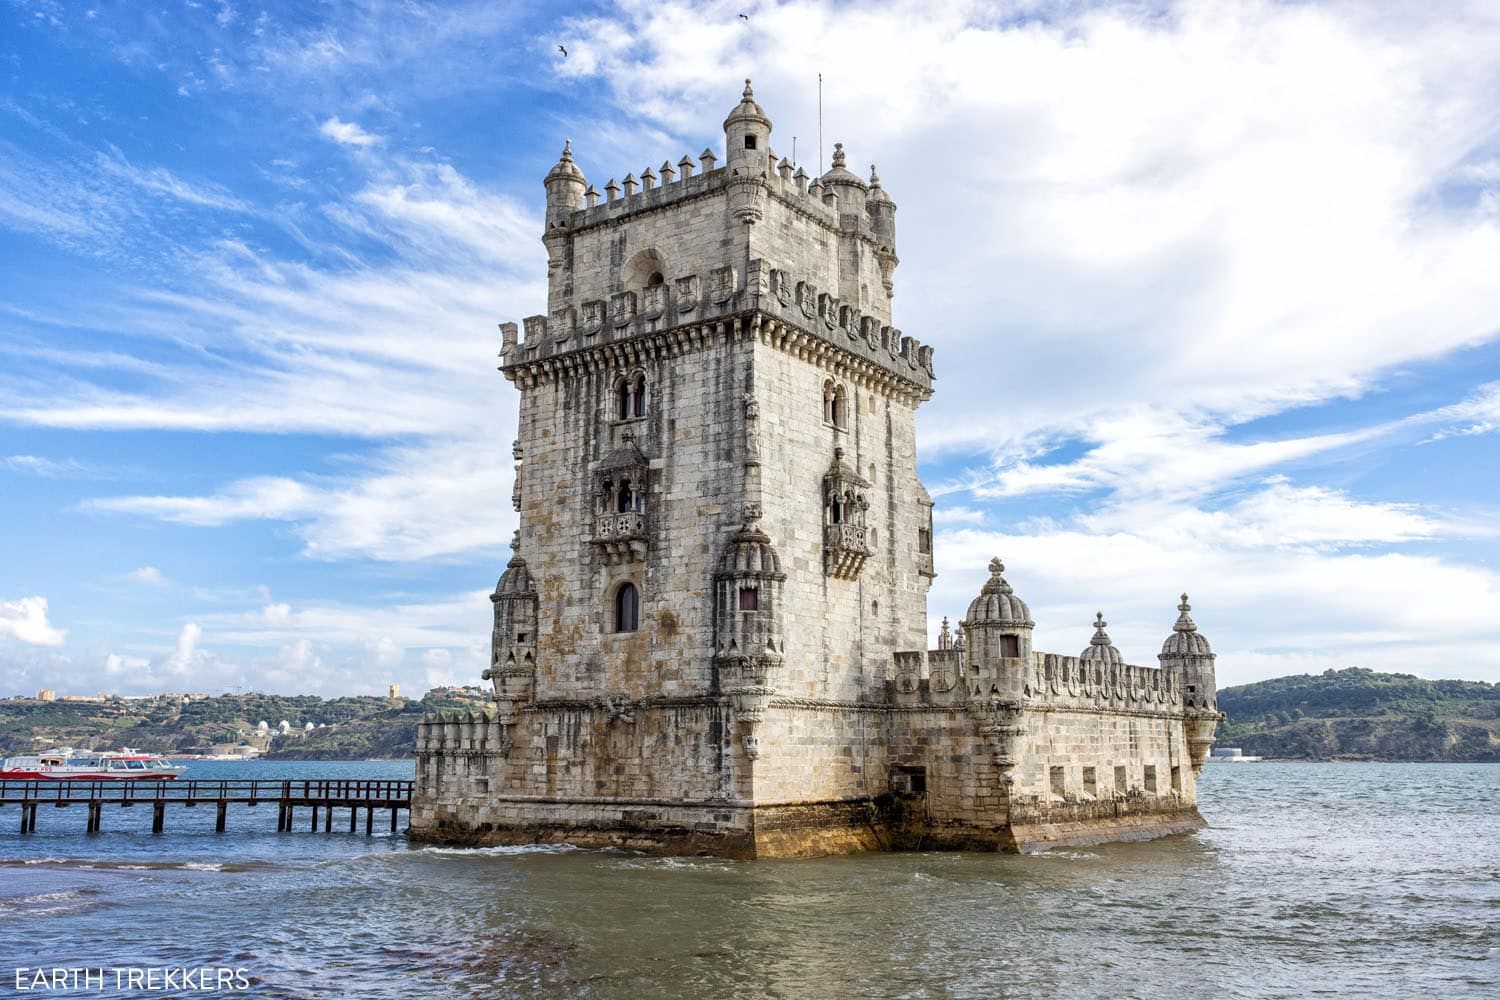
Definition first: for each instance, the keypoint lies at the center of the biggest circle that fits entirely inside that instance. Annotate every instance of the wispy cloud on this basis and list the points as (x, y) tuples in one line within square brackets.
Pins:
[(347, 133)]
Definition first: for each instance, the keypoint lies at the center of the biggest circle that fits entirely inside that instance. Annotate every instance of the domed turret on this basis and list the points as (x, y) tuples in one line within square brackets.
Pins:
[(1185, 639), (1187, 654), (748, 645), (516, 579), (997, 603), (844, 182), (1100, 650), (998, 626), (513, 641), (565, 183), (747, 136), (750, 554)]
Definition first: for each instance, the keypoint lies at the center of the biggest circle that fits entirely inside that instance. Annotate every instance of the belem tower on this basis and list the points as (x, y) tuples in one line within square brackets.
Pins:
[(712, 635)]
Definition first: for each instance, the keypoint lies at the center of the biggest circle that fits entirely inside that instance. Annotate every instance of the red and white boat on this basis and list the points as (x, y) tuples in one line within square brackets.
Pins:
[(67, 764)]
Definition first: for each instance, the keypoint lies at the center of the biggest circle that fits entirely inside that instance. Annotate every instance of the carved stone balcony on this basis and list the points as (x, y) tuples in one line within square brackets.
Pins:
[(845, 549), (620, 537), (924, 565)]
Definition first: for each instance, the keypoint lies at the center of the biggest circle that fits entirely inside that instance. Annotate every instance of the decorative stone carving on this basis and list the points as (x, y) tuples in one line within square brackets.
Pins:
[(592, 319), (722, 284), (687, 293)]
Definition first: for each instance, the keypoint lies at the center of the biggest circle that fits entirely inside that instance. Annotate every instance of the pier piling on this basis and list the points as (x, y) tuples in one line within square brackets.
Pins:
[(326, 795)]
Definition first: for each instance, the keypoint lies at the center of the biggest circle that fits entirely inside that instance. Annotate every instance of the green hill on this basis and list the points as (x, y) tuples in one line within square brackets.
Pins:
[(1358, 714), (344, 728)]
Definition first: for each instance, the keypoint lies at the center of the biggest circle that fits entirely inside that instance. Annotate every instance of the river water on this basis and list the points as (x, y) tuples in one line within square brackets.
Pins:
[(1312, 879)]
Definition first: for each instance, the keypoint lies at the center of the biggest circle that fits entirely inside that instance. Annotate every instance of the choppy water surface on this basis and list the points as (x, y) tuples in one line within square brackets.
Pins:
[(1340, 880)]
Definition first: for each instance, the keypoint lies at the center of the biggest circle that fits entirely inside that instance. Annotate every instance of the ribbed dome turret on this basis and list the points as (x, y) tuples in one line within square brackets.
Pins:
[(516, 579), (750, 553), (1100, 649), (1185, 639), (997, 603), (565, 168)]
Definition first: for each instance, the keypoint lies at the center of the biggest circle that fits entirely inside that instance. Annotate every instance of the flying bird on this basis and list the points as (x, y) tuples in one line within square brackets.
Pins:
[(744, 17), (563, 51)]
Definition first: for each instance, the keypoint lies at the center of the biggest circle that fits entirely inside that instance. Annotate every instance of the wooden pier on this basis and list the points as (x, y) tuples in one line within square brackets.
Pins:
[(288, 796)]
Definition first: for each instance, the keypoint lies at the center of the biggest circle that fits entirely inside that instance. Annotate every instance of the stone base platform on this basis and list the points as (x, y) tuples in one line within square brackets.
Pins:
[(803, 830)]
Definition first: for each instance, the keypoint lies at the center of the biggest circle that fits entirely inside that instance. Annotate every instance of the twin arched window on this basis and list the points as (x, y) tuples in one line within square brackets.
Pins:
[(622, 499), (627, 608), (630, 396), (835, 404)]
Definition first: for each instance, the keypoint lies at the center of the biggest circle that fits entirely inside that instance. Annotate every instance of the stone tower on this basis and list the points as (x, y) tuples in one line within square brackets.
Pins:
[(718, 595)]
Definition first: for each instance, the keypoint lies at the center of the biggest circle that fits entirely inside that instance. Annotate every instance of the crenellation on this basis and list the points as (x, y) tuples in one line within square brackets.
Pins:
[(711, 635)]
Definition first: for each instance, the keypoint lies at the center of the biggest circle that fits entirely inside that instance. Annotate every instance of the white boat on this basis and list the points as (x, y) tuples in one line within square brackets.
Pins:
[(67, 764)]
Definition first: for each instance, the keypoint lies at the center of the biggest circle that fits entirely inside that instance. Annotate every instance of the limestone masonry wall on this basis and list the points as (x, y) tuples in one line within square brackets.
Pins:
[(712, 633)]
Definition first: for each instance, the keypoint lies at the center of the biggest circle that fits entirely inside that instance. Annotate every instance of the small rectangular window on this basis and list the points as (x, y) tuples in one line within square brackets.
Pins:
[(1090, 781), (521, 636), (1120, 787), (1150, 779), (1177, 780), (749, 142), (1010, 646), (1057, 781), (749, 599)]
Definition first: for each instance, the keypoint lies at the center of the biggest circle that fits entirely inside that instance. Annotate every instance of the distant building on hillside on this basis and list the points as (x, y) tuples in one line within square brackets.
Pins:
[(712, 634), (46, 694)]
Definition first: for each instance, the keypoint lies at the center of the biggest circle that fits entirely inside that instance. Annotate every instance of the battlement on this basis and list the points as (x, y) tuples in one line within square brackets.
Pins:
[(1037, 682), (692, 299), (665, 187)]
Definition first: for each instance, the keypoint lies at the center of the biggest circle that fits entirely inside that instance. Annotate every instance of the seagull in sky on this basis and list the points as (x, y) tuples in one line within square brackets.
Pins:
[(563, 51)]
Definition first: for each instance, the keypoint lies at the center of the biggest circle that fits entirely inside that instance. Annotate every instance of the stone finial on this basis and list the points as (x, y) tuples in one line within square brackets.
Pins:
[(686, 166), (611, 190), (667, 173), (874, 177), (1100, 639), (838, 155), (630, 184), (591, 196), (996, 566), (945, 635), (1185, 621), (707, 158), (515, 542), (748, 94)]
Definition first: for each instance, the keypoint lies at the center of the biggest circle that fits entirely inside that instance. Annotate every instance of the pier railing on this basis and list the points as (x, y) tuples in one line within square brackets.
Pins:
[(288, 795)]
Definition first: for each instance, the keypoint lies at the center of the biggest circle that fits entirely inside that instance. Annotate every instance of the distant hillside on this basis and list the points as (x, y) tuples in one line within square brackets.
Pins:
[(1358, 714), (351, 728)]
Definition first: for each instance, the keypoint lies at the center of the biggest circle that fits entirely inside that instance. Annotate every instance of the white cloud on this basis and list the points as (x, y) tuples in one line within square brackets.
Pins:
[(149, 576), (347, 133), (25, 620), (185, 657), (48, 468)]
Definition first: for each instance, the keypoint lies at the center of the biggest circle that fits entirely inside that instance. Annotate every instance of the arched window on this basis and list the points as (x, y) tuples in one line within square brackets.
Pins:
[(625, 499), (840, 407), (655, 279), (638, 395), (630, 396), (828, 402), (606, 497), (627, 608)]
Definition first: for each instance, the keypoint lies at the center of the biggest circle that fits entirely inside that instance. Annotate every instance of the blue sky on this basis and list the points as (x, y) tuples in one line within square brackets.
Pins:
[(1213, 289)]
